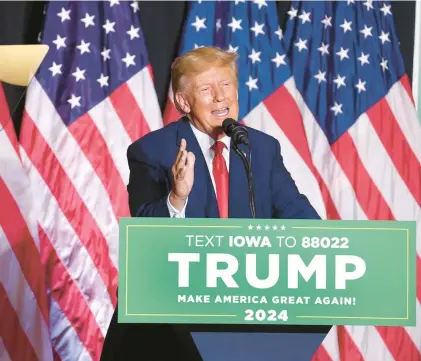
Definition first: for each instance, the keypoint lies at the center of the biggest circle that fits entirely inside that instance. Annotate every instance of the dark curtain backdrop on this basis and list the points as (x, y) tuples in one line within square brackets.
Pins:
[(162, 23)]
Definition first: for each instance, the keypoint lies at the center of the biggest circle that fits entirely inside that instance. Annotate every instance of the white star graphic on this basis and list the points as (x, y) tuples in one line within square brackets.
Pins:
[(258, 29), (218, 24), (106, 54), (343, 53), (64, 15), (260, 3), (366, 31), (327, 21), (346, 26), (258, 227), (88, 20), (301, 44), (279, 33), (84, 47), (360, 86), (252, 84), (323, 49), (350, 2), (239, 1), (55, 68), (320, 76), (337, 108), (340, 81), (199, 23), (279, 60), (74, 101), (250, 227), (79, 74), (60, 42), (255, 56), (383, 64), (103, 80), (292, 13), (232, 49), (384, 37), (386, 10), (135, 6), (114, 2), (369, 4), (305, 17), (109, 26), (235, 24), (275, 228), (267, 227), (364, 58), (283, 228), (133, 32), (129, 60)]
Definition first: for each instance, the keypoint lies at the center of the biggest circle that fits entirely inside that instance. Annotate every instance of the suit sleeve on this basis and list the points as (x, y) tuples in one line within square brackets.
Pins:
[(148, 186), (287, 201)]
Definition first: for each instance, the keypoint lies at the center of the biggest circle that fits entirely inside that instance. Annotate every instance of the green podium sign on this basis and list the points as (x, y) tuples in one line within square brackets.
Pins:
[(238, 271)]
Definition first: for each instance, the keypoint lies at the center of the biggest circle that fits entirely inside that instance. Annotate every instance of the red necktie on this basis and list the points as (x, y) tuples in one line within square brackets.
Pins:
[(220, 174)]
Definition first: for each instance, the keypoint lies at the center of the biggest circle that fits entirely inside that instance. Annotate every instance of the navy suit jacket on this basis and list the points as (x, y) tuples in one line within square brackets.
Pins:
[(151, 159)]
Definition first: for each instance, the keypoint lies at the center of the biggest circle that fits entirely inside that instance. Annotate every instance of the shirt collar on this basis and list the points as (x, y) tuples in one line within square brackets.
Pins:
[(206, 142)]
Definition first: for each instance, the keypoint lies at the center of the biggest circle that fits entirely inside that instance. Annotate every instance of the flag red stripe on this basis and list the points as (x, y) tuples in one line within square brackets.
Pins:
[(93, 144), (366, 192), (394, 141), (127, 109), (321, 355), (14, 337), (348, 351), (171, 114), (69, 298), (399, 343), (6, 123), (284, 110), (23, 245), (72, 206)]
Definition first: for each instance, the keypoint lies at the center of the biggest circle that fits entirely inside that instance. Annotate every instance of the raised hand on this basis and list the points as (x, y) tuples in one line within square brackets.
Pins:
[(183, 176)]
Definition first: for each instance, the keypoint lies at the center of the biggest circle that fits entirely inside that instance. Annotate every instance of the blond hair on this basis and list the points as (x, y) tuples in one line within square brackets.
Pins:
[(196, 61)]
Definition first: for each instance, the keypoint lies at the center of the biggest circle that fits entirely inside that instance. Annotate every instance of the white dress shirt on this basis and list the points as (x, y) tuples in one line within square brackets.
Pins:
[(205, 143)]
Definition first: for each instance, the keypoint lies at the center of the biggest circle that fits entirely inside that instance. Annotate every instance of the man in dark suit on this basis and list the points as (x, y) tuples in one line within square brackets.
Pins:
[(188, 169)]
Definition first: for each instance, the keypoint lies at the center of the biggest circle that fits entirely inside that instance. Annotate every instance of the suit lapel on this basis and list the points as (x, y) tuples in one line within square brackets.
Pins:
[(202, 198), (239, 203)]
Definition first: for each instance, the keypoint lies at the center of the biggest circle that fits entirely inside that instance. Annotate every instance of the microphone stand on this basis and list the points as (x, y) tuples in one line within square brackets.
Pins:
[(249, 177)]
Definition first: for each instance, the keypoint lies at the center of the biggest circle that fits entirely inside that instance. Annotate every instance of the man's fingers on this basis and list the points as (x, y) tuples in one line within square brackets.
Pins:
[(181, 152), (190, 160)]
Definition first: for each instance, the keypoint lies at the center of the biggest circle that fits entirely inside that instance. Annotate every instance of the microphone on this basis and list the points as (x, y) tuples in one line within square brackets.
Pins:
[(236, 131), (239, 135)]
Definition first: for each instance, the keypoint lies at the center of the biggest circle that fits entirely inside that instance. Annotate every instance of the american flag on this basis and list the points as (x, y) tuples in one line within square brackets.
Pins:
[(92, 96), (334, 92)]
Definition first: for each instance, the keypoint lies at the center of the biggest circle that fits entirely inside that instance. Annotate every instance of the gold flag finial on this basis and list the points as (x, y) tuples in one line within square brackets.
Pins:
[(19, 63)]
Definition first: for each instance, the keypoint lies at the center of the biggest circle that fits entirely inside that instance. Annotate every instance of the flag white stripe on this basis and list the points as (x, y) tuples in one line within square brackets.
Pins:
[(370, 343), (73, 161), (330, 344), (69, 249), (4, 356), (64, 337), (341, 190), (141, 85), (406, 116), (261, 119), (13, 174), (23, 301), (114, 134)]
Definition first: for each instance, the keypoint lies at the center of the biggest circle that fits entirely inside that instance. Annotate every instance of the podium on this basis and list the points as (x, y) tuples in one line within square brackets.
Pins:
[(266, 277)]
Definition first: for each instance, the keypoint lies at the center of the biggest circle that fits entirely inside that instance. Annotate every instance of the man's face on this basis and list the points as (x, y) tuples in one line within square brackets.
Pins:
[(211, 97)]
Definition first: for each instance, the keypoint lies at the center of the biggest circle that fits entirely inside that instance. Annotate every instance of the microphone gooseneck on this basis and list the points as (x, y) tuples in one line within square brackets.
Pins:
[(239, 135)]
